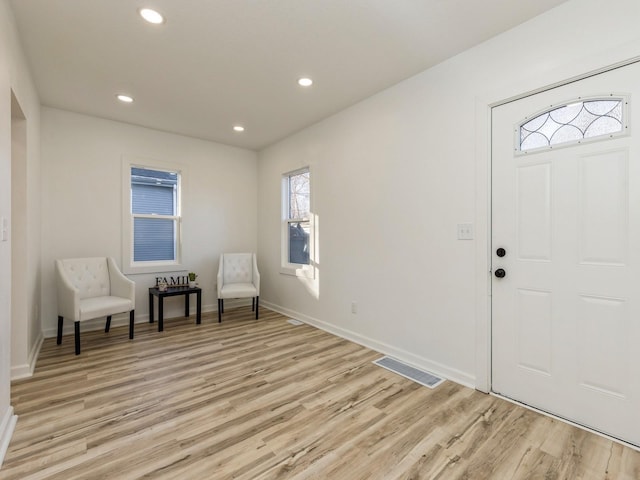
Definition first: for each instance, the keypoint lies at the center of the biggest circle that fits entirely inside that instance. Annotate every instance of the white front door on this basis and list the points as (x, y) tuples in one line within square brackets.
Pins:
[(566, 314)]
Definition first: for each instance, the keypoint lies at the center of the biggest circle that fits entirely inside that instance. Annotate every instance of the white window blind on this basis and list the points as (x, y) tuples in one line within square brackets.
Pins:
[(155, 214)]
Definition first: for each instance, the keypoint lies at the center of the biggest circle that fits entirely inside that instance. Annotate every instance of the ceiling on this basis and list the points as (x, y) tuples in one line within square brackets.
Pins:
[(217, 63)]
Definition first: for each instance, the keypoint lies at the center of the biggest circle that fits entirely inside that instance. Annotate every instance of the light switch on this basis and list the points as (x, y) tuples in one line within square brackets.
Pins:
[(4, 229), (465, 231)]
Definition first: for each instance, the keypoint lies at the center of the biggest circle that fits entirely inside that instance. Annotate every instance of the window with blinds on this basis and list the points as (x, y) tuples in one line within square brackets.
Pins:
[(155, 212)]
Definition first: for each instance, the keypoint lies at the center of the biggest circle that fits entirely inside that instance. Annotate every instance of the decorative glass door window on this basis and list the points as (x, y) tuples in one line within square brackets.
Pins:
[(572, 123)]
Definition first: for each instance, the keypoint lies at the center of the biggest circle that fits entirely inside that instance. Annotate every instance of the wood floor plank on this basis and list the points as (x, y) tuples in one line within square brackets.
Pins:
[(263, 400)]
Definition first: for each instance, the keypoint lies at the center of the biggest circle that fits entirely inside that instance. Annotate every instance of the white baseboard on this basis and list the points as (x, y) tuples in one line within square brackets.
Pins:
[(118, 321), (417, 361), (26, 371), (7, 426)]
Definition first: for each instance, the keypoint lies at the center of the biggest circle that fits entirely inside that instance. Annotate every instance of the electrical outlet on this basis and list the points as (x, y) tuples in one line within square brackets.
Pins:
[(354, 307)]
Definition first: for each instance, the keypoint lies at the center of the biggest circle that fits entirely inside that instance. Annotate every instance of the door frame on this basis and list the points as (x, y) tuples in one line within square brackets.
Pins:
[(569, 73)]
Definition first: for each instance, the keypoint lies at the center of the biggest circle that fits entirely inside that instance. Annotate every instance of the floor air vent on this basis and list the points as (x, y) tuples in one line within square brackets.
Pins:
[(419, 376), (294, 322)]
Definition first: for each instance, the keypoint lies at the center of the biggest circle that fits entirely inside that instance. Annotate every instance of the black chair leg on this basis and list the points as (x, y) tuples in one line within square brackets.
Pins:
[(131, 325), (257, 305), (77, 335), (59, 338), (253, 304), (108, 325), (219, 310)]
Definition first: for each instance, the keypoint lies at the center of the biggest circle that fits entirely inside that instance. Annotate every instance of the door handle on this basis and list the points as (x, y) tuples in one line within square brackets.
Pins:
[(500, 273)]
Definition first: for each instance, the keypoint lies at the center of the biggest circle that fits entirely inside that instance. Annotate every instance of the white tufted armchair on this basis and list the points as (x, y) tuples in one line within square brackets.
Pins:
[(92, 288), (238, 277)]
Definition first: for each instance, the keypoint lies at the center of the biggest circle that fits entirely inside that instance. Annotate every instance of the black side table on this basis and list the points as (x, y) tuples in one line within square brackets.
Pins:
[(172, 292)]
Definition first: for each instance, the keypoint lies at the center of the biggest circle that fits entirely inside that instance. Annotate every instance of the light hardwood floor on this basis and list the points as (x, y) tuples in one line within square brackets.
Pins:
[(265, 399)]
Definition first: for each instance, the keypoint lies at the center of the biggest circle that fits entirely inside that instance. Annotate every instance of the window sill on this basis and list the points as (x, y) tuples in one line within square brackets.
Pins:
[(153, 268), (306, 271)]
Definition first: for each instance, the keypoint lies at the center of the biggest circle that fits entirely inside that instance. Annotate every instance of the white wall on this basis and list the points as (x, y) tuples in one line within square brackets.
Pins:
[(394, 175), (82, 201), (15, 77)]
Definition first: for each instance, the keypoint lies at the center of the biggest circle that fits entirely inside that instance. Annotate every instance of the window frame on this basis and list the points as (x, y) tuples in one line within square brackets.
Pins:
[(129, 266), (286, 267)]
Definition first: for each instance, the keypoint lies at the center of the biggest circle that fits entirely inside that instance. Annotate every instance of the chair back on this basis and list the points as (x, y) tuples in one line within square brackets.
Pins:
[(89, 275), (237, 268)]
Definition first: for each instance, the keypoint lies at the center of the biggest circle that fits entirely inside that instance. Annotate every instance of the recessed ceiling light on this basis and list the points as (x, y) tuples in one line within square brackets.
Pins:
[(151, 16), (305, 82), (124, 98), (238, 128)]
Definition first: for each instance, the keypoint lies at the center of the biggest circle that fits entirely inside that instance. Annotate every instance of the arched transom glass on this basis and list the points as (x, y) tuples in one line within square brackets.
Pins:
[(572, 123)]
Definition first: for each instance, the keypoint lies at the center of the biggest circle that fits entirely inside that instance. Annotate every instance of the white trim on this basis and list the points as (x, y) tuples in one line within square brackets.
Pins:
[(122, 320), (569, 422), (409, 358), (118, 320), (7, 426), (483, 251), (25, 371)]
